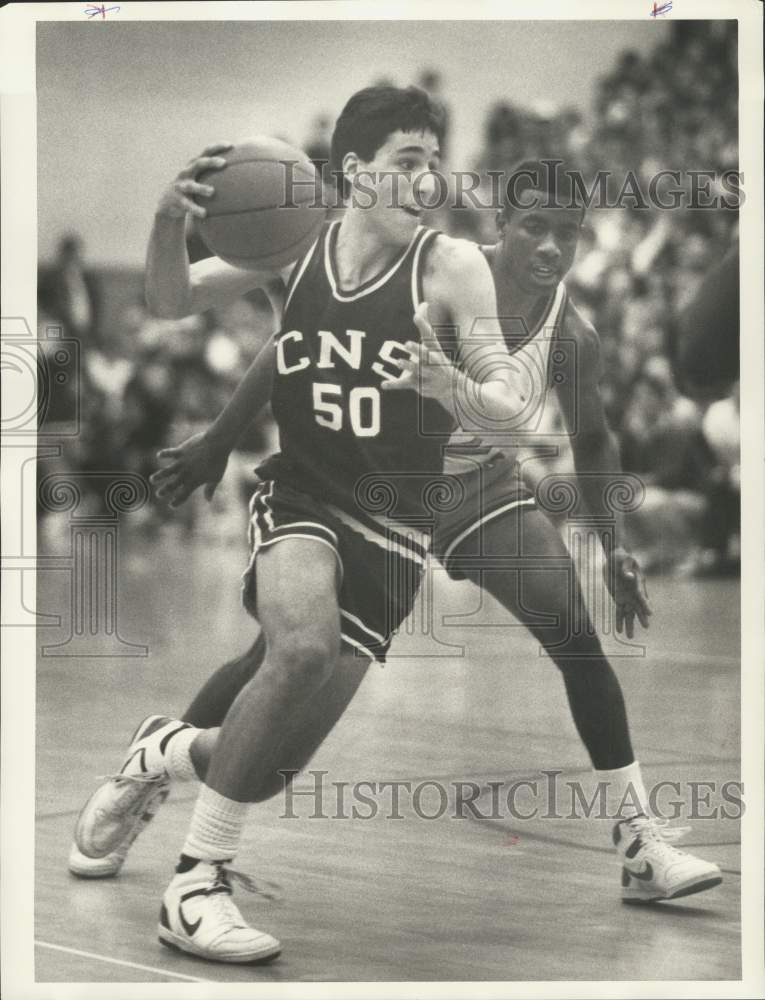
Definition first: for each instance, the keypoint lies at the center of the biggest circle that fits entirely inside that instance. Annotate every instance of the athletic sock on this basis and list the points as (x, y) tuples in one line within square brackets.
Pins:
[(625, 792), (177, 755), (216, 826)]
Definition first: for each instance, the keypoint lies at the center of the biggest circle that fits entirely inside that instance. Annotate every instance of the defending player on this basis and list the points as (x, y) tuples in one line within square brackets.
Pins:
[(536, 247), (319, 566)]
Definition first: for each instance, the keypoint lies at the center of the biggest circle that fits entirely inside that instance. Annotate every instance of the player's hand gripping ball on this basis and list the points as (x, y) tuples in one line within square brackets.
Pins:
[(266, 208)]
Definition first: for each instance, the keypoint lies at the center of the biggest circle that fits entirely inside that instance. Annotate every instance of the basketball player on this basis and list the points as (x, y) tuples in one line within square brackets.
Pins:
[(317, 578), (499, 518)]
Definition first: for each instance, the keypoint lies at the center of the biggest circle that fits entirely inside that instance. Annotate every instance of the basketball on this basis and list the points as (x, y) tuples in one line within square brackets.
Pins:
[(267, 207)]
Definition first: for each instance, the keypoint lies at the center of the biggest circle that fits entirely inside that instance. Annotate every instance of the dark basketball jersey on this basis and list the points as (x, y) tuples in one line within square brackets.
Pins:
[(342, 439)]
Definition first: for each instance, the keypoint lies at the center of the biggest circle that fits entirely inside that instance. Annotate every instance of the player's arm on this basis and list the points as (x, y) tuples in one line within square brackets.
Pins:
[(459, 293), (201, 460), (596, 459), (174, 288)]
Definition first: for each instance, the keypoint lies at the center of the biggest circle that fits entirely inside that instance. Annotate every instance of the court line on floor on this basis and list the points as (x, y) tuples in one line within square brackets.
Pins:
[(120, 961), (590, 848)]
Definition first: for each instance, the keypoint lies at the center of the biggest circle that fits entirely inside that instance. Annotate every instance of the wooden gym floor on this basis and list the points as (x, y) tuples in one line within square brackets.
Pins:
[(408, 899)]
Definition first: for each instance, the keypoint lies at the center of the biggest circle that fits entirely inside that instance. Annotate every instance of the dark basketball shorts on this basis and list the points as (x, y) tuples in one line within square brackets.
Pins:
[(379, 570), (484, 491)]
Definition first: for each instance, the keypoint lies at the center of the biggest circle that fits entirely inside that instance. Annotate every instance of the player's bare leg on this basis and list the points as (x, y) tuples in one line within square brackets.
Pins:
[(651, 868), (302, 738), (298, 610), (544, 599), (299, 614), (206, 713), (210, 704), (307, 731), (303, 733)]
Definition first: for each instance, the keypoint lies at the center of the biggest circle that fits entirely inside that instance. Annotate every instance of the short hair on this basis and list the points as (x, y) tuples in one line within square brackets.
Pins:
[(374, 113), (551, 176)]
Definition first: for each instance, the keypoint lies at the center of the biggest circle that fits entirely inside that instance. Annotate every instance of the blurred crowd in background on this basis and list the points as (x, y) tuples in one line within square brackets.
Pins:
[(146, 383)]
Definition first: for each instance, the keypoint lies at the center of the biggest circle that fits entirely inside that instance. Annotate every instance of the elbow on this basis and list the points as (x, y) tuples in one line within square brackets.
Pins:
[(500, 402)]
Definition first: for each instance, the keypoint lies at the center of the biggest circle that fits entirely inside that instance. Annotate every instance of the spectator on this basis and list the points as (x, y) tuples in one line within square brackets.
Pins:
[(662, 442), (68, 291)]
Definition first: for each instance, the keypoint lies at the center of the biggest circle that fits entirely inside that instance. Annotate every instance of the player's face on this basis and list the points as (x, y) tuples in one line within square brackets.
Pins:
[(401, 180), (538, 245)]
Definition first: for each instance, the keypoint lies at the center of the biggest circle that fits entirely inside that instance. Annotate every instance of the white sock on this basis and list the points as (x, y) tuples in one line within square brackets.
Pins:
[(216, 826), (625, 792), (177, 757)]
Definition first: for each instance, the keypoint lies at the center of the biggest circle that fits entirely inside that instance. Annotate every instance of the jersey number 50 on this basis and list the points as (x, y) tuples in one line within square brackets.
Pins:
[(363, 408)]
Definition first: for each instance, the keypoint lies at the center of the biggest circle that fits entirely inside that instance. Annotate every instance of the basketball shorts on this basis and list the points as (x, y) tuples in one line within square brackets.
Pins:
[(484, 491), (379, 572)]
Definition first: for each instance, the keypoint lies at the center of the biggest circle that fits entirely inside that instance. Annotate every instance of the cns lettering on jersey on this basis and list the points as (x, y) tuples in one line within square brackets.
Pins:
[(291, 355)]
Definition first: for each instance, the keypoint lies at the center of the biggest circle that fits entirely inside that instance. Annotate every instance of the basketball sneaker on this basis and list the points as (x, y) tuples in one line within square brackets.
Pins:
[(111, 864), (114, 812), (652, 868), (199, 916)]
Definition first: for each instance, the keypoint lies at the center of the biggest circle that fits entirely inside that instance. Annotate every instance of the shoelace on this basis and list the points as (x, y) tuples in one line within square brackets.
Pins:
[(659, 832), (220, 882), (224, 876), (668, 833), (148, 779), (219, 895)]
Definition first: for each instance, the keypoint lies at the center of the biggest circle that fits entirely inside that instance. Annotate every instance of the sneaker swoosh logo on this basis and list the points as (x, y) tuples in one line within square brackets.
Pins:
[(190, 929), (642, 876), (141, 754)]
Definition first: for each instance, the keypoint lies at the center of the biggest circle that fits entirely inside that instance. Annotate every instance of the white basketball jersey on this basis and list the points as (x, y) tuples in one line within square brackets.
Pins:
[(540, 417)]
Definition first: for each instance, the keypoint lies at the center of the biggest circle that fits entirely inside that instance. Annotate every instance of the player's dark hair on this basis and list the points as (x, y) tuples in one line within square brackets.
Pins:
[(374, 113), (556, 182)]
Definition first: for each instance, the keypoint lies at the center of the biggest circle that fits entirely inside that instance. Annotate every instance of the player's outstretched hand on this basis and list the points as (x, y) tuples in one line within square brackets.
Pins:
[(626, 582), (195, 462), (427, 370), (178, 199)]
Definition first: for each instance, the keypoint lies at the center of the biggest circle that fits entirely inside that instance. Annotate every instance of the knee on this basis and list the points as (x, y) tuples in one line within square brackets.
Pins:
[(572, 647), (306, 656), (568, 636)]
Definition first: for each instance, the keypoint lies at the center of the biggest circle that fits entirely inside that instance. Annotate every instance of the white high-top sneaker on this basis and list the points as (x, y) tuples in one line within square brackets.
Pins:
[(82, 866), (199, 916), (652, 869), (116, 809)]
